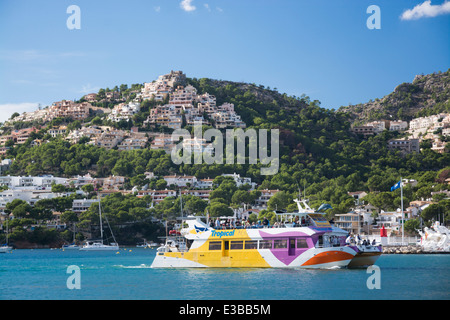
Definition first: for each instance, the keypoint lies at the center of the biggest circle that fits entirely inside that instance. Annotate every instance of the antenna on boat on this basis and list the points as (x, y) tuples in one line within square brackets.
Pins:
[(181, 204), (304, 189)]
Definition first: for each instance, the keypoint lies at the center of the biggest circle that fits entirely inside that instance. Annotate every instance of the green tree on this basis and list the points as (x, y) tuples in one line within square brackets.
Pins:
[(280, 200), (218, 209)]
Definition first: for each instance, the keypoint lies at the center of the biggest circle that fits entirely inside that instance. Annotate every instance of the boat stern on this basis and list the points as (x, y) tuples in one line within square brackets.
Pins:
[(332, 257)]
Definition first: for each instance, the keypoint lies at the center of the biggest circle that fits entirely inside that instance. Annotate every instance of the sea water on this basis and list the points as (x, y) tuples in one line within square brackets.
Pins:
[(126, 274)]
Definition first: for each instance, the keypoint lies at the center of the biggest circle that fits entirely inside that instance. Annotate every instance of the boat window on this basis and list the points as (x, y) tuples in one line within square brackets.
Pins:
[(280, 244), (236, 245), (292, 243), (253, 244), (301, 243), (215, 245), (265, 244)]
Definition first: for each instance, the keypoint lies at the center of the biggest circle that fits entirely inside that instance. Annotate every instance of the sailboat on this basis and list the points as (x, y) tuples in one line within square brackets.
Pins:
[(98, 245), (6, 248), (71, 246)]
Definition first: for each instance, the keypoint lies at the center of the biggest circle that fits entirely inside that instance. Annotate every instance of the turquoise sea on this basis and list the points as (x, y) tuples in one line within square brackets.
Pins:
[(41, 274)]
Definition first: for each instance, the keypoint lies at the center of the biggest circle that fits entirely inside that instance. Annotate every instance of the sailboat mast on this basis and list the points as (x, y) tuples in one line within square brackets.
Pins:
[(100, 215)]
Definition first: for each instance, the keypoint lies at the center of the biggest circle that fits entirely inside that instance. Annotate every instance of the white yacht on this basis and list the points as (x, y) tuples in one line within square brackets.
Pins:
[(98, 245), (6, 248)]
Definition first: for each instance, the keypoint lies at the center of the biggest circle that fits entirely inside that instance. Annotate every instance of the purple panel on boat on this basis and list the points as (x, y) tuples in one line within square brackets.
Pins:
[(283, 254)]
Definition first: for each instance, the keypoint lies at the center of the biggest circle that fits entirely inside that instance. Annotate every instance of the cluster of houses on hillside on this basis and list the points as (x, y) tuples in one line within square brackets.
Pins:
[(34, 188), (363, 219), (418, 129), (183, 101), (16, 137), (109, 137), (184, 107)]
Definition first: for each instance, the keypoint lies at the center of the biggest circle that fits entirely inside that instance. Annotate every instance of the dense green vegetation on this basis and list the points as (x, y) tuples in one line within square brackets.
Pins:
[(318, 155)]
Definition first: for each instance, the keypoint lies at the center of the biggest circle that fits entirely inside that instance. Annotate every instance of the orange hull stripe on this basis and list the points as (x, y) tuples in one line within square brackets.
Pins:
[(326, 257)]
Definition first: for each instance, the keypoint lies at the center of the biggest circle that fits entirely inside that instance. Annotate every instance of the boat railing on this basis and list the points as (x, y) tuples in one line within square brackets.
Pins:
[(261, 226)]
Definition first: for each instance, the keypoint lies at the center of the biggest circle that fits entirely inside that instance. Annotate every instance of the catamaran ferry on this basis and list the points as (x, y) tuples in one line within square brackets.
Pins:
[(306, 240)]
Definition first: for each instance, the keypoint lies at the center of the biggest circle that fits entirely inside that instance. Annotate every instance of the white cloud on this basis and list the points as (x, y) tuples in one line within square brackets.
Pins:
[(34, 55), (158, 9), (7, 109), (207, 7), (186, 5), (426, 9), (89, 89)]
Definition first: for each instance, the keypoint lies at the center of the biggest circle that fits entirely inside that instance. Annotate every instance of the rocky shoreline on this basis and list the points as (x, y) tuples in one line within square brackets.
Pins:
[(408, 250)]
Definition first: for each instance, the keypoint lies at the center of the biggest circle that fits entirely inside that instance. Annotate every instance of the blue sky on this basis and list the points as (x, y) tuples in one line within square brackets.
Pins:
[(321, 48)]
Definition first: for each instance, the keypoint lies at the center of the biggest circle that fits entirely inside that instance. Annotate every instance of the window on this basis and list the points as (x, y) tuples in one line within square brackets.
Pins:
[(251, 244), (237, 245), (265, 244), (301, 243), (215, 245), (280, 244)]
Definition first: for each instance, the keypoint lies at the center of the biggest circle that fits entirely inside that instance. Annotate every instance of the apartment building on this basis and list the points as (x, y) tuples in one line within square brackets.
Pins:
[(241, 180), (68, 109), (404, 145), (398, 125), (157, 195), (82, 205), (266, 194), (364, 130), (55, 131), (135, 141), (163, 86), (197, 146), (163, 142), (202, 194), (183, 96), (90, 132), (30, 116), (31, 182), (90, 97), (124, 111), (204, 183), (181, 181), (427, 122), (352, 222), (166, 115), (438, 146)]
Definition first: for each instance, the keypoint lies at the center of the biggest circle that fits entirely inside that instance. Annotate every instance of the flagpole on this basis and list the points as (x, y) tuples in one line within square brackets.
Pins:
[(403, 219)]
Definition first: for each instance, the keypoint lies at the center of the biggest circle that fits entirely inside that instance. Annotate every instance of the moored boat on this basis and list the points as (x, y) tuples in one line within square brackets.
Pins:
[(5, 248), (72, 246), (98, 245), (366, 255)]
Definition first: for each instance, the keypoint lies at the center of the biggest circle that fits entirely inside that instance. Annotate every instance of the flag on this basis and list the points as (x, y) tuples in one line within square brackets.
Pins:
[(324, 206), (396, 186)]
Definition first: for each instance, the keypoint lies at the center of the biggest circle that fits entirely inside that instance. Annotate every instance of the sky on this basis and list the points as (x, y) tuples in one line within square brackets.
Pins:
[(326, 49)]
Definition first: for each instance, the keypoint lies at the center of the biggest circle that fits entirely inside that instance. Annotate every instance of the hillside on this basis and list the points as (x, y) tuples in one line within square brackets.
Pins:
[(317, 149), (426, 95), (317, 154)]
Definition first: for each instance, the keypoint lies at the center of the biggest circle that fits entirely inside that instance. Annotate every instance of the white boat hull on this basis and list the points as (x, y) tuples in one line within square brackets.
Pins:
[(99, 247), (5, 249)]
